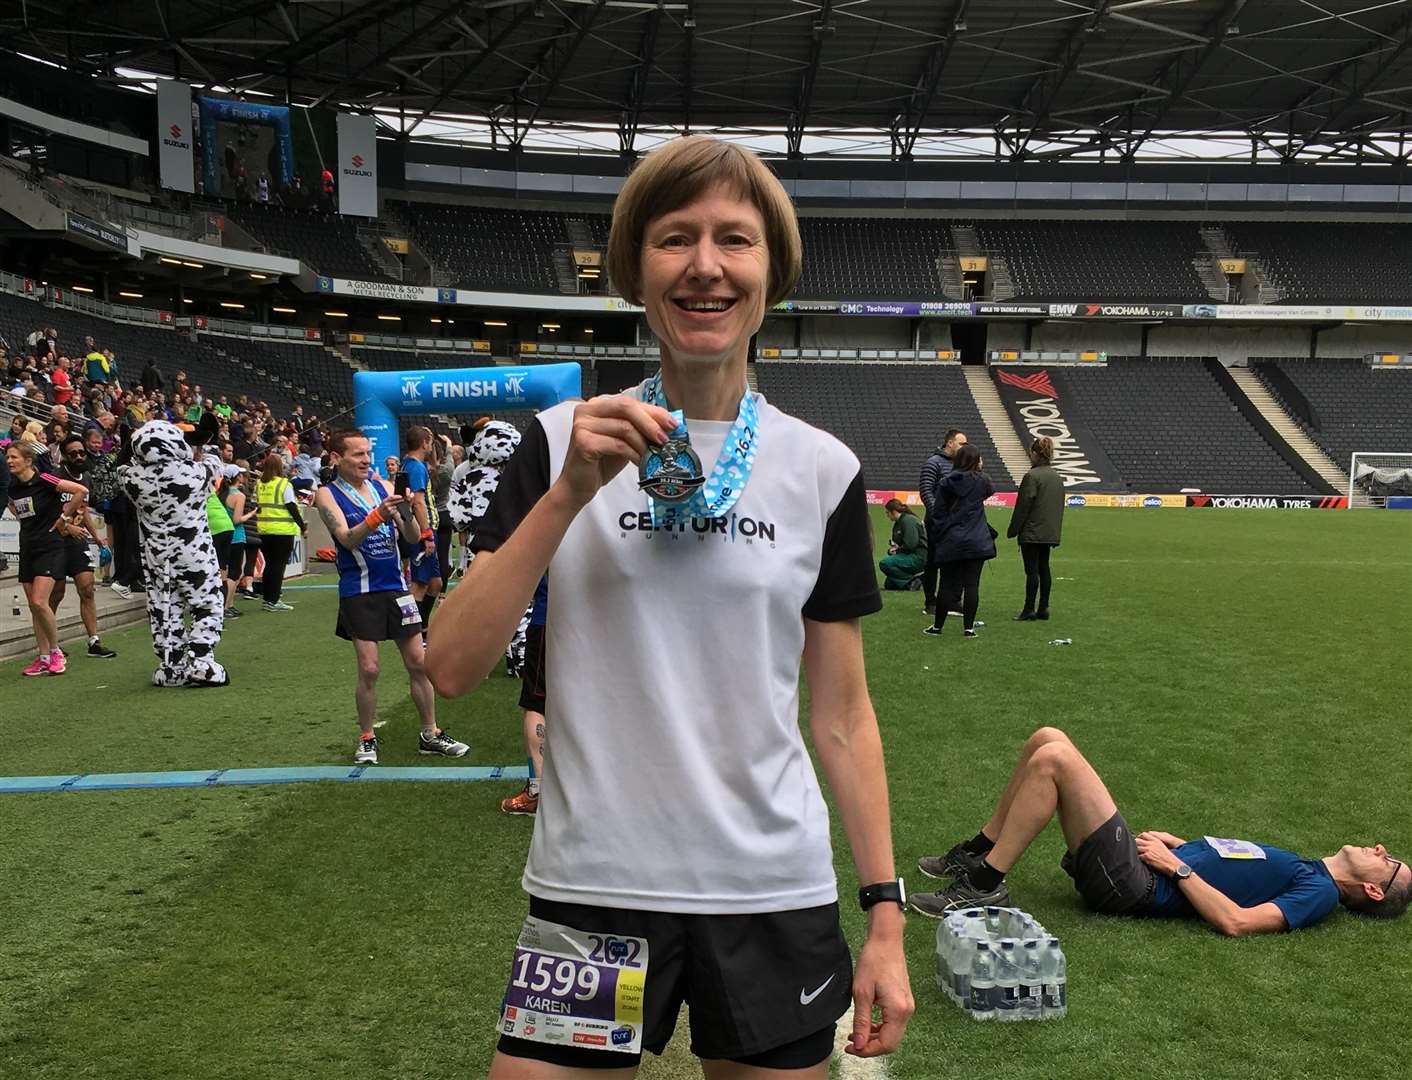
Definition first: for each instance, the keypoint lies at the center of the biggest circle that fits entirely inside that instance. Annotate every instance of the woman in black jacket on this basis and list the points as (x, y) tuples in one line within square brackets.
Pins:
[(964, 539), (1036, 522)]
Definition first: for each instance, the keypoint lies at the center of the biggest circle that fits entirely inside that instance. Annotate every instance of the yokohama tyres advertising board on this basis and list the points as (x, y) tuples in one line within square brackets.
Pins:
[(1269, 502)]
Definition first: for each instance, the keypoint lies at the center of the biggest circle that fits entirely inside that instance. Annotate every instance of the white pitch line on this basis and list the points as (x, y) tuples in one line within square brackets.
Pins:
[(850, 1067)]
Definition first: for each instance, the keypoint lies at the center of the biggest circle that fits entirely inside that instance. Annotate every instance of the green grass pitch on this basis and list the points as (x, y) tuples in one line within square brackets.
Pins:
[(1237, 673)]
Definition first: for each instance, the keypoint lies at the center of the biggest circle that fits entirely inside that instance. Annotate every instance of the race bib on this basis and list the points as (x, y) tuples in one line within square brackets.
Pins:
[(410, 615), (1235, 849), (576, 989), (24, 507)]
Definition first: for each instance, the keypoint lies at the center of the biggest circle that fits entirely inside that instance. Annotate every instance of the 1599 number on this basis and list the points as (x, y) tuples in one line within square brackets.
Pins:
[(540, 974)]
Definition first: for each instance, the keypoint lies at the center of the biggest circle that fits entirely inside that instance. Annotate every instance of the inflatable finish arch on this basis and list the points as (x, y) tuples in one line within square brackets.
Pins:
[(243, 112), (383, 396)]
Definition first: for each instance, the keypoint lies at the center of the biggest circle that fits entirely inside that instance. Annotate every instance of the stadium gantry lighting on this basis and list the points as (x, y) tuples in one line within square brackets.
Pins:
[(81, 288), (389, 318), (258, 276), (233, 305), (169, 261), (495, 322), (193, 265), (336, 314), (284, 310), (130, 295)]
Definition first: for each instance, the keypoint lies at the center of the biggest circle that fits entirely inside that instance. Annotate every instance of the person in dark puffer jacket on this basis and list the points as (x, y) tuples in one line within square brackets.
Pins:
[(964, 539)]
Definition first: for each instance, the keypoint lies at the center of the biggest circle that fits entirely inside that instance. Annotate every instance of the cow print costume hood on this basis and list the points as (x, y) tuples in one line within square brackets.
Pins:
[(169, 490), (472, 485)]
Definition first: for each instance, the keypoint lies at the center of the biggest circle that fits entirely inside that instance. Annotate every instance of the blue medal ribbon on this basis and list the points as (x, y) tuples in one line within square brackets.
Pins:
[(728, 477), (359, 502)]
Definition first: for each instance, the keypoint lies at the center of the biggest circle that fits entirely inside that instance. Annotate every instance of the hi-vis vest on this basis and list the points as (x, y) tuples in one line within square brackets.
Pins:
[(274, 518)]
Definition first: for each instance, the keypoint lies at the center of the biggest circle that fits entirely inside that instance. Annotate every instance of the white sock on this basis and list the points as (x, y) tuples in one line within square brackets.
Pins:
[(93, 640), (534, 786)]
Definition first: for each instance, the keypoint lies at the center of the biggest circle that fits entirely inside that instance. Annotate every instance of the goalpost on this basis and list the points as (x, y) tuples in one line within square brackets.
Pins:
[(1376, 476)]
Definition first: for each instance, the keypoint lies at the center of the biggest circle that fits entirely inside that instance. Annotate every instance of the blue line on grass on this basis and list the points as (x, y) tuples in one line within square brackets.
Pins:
[(241, 777)]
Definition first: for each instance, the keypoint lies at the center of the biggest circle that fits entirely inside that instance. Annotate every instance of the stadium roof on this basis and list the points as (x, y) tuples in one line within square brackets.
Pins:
[(1247, 80)]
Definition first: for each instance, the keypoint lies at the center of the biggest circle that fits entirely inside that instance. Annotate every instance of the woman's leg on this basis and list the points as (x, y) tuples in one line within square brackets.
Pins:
[(46, 627), (971, 585), (234, 565), (277, 552), (1042, 559), (948, 591), (1028, 552)]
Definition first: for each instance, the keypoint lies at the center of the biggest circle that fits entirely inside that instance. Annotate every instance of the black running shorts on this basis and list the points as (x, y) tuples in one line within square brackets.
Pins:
[(59, 562), (222, 542), (532, 679), (377, 616), (764, 990), (1108, 872)]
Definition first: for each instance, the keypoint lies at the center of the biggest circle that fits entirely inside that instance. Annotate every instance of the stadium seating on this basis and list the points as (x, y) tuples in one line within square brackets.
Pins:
[(1350, 408), (875, 409), (327, 242), (1326, 262), (280, 373), (1098, 260), (1167, 424), (490, 248), (872, 258)]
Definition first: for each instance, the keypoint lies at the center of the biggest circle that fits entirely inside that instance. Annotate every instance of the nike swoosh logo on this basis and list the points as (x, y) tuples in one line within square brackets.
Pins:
[(806, 999)]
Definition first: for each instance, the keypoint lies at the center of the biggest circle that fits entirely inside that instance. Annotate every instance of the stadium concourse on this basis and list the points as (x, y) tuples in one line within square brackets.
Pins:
[(1135, 275)]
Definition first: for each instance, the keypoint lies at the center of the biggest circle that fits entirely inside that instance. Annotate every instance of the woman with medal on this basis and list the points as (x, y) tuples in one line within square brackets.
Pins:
[(701, 547), (374, 604)]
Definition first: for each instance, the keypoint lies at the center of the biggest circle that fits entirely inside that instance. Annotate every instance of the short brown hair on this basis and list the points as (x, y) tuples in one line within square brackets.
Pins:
[(339, 439), (415, 437), (676, 174), (1042, 450)]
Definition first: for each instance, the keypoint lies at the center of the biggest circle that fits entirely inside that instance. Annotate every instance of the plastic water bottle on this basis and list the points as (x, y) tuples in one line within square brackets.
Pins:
[(1062, 641), (945, 964), (983, 982), (964, 959), (1007, 981), (1031, 981), (1055, 977), (994, 922)]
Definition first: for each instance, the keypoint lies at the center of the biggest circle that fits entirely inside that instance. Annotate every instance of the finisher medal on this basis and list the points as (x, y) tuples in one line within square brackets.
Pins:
[(671, 473)]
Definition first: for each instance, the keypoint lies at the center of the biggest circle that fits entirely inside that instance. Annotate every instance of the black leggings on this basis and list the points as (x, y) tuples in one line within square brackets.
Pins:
[(1037, 578), (960, 588), (443, 548), (277, 551), (235, 563)]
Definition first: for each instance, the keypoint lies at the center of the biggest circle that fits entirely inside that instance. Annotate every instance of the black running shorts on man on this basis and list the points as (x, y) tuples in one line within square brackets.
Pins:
[(1108, 872), (378, 616), (764, 989), (532, 680)]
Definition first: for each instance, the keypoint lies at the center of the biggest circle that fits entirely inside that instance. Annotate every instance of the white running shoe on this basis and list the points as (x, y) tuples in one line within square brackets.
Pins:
[(441, 744), (367, 752)]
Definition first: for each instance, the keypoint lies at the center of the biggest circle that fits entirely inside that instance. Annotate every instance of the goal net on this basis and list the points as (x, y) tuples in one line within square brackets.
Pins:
[(1373, 477)]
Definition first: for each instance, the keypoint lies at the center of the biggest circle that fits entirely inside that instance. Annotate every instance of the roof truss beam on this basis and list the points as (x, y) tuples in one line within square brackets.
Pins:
[(799, 117), (908, 123), (1043, 93), (636, 94)]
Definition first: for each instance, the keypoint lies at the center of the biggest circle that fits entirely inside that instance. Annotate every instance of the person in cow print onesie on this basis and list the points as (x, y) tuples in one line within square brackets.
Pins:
[(472, 485), (169, 489)]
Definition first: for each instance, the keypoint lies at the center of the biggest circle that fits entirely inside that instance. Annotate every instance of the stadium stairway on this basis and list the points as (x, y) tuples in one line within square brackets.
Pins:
[(1284, 425), (997, 420)]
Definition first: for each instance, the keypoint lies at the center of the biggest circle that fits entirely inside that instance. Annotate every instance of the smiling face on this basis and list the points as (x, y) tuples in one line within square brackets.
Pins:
[(705, 269)]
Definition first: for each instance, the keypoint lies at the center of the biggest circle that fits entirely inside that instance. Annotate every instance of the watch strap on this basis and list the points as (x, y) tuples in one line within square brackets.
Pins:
[(894, 892)]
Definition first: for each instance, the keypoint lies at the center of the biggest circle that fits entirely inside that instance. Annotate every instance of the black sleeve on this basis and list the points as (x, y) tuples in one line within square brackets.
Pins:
[(847, 586), (524, 479)]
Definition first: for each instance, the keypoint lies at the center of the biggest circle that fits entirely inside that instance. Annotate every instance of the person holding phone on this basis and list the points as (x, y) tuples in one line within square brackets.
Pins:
[(374, 604), (414, 485)]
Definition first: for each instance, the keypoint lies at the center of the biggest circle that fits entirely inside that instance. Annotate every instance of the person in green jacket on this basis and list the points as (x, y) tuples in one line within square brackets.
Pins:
[(907, 554), (1036, 522)]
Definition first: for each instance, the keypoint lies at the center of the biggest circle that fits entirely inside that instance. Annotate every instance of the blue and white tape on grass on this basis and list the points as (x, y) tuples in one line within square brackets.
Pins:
[(200, 778)]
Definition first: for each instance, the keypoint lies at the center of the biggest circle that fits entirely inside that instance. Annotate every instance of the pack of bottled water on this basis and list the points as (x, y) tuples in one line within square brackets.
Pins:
[(1001, 964)]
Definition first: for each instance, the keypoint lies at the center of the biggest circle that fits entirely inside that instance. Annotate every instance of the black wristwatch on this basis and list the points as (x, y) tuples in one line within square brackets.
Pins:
[(1182, 872), (893, 892)]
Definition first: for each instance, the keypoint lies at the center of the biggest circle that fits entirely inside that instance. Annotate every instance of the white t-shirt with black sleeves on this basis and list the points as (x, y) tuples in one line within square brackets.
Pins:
[(675, 775)]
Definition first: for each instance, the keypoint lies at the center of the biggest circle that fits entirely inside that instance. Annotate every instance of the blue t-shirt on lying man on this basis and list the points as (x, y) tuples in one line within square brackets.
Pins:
[(1302, 889)]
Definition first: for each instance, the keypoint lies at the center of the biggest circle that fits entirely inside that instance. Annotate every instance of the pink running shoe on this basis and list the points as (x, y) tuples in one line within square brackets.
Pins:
[(57, 663), (39, 667)]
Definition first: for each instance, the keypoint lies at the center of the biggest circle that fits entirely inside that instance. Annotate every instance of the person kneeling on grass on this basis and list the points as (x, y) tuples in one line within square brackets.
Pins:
[(1237, 886), (907, 554)]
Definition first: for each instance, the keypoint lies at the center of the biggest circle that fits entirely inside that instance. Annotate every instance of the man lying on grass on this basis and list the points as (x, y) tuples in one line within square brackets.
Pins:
[(1235, 885)]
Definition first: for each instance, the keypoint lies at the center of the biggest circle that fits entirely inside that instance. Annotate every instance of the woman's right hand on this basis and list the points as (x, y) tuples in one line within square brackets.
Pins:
[(609, 432)]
